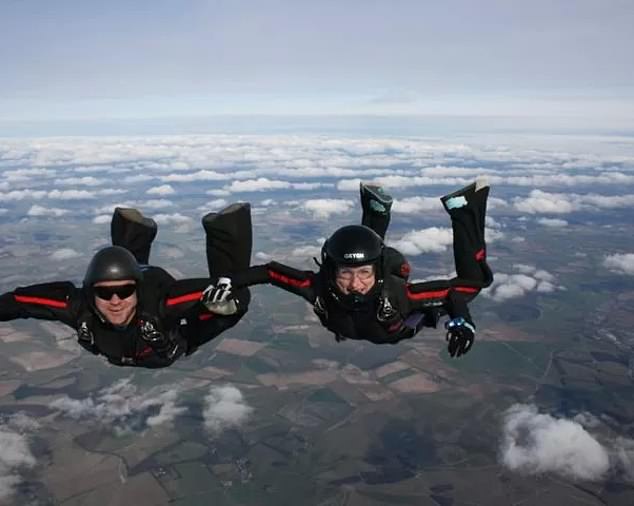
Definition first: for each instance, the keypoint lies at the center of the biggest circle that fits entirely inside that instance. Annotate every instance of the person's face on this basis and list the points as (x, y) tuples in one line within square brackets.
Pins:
[(116, 300), (359, 279)]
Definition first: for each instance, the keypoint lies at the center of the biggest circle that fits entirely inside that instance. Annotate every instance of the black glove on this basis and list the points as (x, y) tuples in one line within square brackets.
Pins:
[(460, 336)]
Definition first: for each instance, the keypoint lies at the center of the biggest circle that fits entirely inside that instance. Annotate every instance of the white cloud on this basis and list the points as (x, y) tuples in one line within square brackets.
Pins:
[(15, 457), (214, 204), (552, 222), (168, 219), (324, 208), (225, 407), (428, 240), (122, 407), (81, 181), (65, 254), (201, 175), (48, 212), (263, 257), (139, 178), (535, 443), (543, 202), (256, 185), (621, 263), (101, 219), (21, 195), (413, 205), (306, 251), (529, 278), (71, 195), (156, 203), (218, 193), (161, 190)]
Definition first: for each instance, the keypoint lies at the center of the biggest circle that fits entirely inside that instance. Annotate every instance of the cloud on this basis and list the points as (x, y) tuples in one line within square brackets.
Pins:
[(122, 407), (552, 222), (225, 407), (621, 263), (548, 203), (324, 208), (265, 184), (71, 195), (155, 204), (16, 455), (307, 251), (169, 219), (263, 257), (65, 254), (17, 195), (81, 181), (48, 212), (161, 190), (415, 205), (201, 175), (218, 193), (534, 443), (214, 204), (255, 185), (541, 202), (428, 240), (528, 279), (101, 219)]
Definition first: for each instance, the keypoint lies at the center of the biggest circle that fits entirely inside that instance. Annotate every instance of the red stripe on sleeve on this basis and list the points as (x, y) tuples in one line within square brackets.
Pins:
[(189, 297), (466, 289), (480, 255), (42, 301), (437, 294), (280, 278)]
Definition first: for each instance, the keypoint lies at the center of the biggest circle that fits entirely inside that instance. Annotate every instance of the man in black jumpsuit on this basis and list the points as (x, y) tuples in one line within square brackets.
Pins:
[(136, 314), (362, 291)]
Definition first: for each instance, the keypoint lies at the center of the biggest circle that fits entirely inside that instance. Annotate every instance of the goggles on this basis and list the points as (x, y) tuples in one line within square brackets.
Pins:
[(363, 273), (107, 292)]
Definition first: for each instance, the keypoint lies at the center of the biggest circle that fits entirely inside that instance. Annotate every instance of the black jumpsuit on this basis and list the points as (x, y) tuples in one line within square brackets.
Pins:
[(170, 307), (398, 309)]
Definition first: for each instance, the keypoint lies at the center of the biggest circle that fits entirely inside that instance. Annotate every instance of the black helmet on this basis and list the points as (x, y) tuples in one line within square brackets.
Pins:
[(113, 263), (350, 246)]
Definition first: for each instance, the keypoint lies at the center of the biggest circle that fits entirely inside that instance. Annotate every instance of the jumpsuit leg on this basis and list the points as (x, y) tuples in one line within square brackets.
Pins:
[(467, 209), (376, 205), (131, 230), (228, 239), (229, 242)]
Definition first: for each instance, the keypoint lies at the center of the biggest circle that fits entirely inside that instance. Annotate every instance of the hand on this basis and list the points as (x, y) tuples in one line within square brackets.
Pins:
[(217, 297), (460, 336)]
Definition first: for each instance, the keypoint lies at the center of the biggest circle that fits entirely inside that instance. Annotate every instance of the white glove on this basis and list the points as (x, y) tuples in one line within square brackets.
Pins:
[(216, 297)]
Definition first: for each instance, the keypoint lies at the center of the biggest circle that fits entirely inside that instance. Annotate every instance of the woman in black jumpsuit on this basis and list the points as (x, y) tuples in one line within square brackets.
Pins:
[(389, 308)]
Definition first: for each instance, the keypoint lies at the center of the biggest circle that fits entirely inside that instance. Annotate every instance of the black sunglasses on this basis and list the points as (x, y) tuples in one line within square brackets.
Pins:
[(107, 292)]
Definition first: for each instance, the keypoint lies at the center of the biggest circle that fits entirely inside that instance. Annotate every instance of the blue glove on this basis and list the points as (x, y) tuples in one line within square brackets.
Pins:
[(460, 336)]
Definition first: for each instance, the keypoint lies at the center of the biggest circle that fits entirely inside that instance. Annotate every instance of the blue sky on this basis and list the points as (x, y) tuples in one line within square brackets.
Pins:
[(76, 60)]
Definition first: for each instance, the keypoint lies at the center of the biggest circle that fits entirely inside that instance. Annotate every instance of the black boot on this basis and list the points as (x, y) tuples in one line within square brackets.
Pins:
[(133, 231), (376, 205), (229, 239)]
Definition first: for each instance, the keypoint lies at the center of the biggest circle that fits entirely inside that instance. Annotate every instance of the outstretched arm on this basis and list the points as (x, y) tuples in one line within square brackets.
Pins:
[(292, 280), (47, 301), (448, 297)]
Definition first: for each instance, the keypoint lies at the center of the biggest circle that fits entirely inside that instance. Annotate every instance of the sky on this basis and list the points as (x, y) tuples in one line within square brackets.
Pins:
[(73, 60)]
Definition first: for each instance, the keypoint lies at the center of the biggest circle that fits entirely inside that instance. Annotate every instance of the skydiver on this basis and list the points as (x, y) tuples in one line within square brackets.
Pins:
[(361, 290), (137, 314)]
